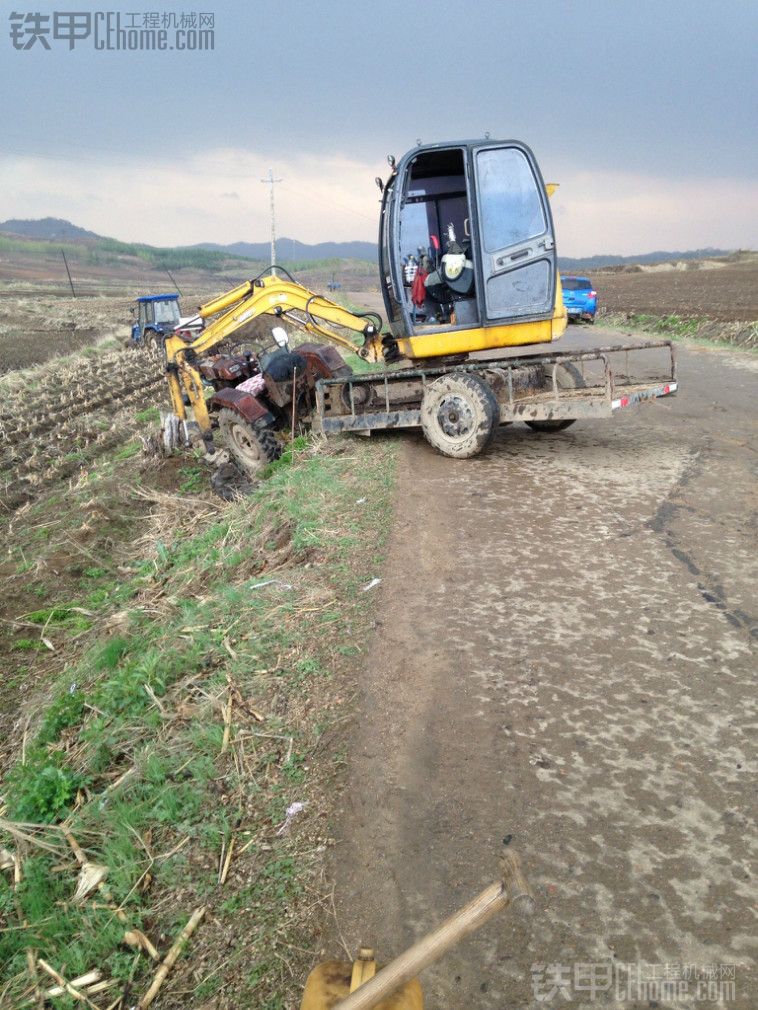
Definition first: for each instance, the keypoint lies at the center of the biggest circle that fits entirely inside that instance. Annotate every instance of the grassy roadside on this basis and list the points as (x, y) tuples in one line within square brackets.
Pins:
[(741, 336), (194, 690)]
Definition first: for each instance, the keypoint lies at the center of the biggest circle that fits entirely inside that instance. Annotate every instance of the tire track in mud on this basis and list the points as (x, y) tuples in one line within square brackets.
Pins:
[(708, 586)]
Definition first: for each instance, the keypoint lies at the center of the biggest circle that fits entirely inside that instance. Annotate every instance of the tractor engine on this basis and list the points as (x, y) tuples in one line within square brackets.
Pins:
[(225, 371)]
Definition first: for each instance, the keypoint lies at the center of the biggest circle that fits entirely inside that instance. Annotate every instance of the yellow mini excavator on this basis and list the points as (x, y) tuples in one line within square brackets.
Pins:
[(467, 265)]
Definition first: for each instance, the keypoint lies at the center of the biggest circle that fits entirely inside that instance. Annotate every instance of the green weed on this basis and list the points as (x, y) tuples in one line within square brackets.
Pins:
[(40, 790), (62, 616), (151, 415), (66, 710), (129, 450), (116, 709), (194, 479), (27, 645)]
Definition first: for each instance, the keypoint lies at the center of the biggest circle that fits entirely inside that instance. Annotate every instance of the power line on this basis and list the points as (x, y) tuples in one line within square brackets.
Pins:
[(69, 273), (211, 168), (323, 198), (271, 181)]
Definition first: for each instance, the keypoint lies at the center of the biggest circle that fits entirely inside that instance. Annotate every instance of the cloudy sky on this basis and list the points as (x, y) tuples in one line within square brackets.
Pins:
[(644, 112)]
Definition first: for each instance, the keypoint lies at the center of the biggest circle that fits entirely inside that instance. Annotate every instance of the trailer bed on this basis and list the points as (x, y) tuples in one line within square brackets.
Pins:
[(392, 398)]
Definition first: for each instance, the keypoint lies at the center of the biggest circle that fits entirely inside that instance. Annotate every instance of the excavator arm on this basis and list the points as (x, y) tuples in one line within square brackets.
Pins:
[(281, 297)]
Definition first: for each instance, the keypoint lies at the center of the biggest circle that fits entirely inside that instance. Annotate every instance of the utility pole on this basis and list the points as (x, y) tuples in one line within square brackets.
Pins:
[(179, 290), (271, 181), (63, 254)]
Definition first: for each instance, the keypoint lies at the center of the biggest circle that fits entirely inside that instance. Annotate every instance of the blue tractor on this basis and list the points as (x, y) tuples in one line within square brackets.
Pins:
[(157, 315)]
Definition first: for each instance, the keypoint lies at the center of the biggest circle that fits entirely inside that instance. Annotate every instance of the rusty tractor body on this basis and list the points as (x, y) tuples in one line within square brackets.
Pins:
[(259, 395)]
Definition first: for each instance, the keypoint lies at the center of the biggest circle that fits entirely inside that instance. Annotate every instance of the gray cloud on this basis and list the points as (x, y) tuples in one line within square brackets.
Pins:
[(599, 89)]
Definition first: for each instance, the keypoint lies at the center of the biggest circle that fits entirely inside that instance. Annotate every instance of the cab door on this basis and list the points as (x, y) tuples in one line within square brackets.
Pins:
[(516, 243)]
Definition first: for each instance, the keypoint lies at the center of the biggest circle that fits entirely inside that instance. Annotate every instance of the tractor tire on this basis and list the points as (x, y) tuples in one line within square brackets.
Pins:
[(252, 449), (568, 377), (459, 415)]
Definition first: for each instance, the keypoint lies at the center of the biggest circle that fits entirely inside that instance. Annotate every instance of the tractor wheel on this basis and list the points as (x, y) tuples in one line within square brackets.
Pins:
[(459, 414), (568, 376), (251, 448)]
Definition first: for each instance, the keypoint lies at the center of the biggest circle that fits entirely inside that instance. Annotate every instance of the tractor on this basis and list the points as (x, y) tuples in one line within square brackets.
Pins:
[(156, 317)]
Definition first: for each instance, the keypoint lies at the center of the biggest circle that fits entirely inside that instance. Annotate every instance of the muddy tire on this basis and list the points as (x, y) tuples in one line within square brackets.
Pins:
[(251, 448), (459, 415), (568, 376)]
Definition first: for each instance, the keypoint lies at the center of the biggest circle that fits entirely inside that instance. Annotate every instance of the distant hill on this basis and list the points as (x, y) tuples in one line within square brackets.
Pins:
[(291, 249), (50, 229), (45, 238), (608, 260), (54, 229)]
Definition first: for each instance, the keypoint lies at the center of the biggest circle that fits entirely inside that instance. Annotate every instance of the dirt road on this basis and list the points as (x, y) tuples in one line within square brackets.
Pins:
[(563, 659)]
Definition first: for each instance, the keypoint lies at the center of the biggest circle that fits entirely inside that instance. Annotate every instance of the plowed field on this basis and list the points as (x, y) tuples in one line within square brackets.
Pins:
[(722, 290)]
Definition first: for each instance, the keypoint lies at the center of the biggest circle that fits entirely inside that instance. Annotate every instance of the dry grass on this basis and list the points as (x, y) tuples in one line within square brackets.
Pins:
[(202, 705)]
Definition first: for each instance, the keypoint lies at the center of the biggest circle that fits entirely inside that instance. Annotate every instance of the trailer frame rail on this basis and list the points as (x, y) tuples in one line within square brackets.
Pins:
[(385, 399)]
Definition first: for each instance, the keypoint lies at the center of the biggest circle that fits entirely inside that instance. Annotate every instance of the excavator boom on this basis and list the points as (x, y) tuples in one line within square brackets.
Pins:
[(284, 297), (280, 297)]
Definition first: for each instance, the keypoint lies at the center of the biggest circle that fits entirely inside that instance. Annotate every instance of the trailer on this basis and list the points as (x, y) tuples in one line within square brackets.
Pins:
[(548, 391)]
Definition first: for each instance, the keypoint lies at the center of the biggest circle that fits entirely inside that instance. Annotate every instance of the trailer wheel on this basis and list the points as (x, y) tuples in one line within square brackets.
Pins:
[(459, 414), (567, 376), (251, 448)]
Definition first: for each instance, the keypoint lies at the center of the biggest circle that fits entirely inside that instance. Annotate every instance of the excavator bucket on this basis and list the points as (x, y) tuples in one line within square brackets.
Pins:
[(333, 981)]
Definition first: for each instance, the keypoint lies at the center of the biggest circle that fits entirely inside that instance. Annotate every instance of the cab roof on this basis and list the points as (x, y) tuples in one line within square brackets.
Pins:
[(156, 298)]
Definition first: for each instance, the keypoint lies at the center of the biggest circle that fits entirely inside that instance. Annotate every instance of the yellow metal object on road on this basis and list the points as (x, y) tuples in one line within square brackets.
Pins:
[(338, 985), (331, 982), (467, 263)]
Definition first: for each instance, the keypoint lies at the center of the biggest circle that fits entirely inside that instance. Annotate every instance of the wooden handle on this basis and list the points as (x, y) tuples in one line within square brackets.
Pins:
[(512, 887)]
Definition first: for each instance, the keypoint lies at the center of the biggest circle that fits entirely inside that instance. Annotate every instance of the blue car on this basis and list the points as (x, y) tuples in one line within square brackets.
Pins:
[(580, 298)]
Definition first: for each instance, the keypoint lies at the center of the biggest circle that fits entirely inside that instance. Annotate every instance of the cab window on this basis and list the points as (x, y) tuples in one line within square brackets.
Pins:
[(166, 312), (511, 209)]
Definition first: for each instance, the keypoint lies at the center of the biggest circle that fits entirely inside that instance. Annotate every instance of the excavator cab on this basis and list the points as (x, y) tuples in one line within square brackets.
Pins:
[(467, 250)]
